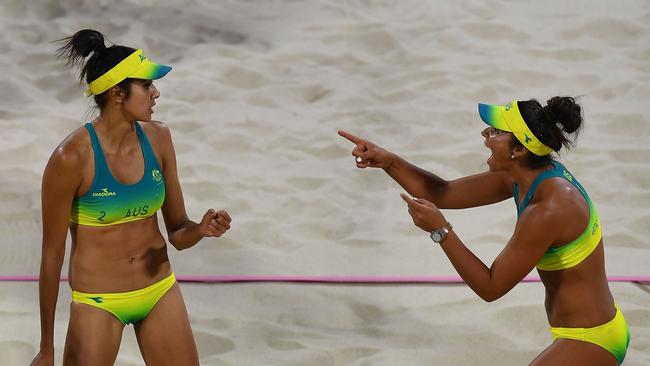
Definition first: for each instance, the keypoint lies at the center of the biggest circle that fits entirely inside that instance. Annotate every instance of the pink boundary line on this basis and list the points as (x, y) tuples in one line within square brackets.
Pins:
[(330, 279)]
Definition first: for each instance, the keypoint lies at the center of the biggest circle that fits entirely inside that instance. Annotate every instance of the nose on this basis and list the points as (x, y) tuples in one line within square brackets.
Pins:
[(156, 92)]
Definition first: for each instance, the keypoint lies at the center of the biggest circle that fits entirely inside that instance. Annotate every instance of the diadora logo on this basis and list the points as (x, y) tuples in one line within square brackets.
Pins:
[(104, 193), (97, 299), (156, 176), (595, 228), (527, 139), (568, 176), (508, 106), (142, 57)]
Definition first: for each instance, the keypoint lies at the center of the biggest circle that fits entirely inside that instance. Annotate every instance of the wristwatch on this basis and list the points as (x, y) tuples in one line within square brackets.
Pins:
[(439, 235)]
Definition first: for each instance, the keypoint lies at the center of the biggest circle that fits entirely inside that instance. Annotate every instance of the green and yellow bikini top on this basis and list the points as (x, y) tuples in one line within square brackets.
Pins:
[(571, 254), (109, 202)]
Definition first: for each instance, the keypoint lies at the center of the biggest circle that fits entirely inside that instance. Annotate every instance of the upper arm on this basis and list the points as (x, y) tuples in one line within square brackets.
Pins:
[(61, 180), (173, 208), (526, 247), (474, 190)]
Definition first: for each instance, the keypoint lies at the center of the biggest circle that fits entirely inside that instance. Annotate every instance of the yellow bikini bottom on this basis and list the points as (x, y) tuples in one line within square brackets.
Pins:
[(128, 307), (613, 336)]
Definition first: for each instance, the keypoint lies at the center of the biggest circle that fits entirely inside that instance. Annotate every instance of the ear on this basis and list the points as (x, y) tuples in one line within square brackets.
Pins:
[(518, 152), (116, 94)]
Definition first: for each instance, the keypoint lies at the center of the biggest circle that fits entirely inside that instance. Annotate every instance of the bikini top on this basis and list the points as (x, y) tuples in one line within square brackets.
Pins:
[(571, 254), (109, 202)]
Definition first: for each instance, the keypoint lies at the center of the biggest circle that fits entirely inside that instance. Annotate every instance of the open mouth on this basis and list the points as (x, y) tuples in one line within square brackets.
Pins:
[(491, 157)]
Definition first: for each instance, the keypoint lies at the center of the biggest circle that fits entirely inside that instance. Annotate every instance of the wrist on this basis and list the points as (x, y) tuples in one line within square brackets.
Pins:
[(392, 158), (441, 234), (192, 230), (46, 348)]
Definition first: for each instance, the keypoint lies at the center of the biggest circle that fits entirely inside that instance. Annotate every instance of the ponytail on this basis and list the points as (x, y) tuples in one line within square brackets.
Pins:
[(556, 125), (76, 48)]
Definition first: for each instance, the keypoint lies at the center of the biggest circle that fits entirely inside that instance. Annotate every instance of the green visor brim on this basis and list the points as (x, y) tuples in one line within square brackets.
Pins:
[(492, 115)]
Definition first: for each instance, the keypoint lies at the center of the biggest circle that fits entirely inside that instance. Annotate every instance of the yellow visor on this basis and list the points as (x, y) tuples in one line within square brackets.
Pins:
[(136, 66), (508, 118)]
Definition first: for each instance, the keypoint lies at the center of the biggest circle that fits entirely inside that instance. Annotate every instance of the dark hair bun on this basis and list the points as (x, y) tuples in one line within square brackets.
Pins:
[(563, 112), (88, 40), (76, 48)]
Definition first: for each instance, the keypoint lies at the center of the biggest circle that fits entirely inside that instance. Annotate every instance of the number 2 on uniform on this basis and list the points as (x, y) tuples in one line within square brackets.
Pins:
[(103, 214)]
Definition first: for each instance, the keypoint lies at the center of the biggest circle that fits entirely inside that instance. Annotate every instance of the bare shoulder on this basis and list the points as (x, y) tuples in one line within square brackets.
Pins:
[(158, 133), (161, 140), (156, 129), (559, 192), (559, 200), (73, 152)]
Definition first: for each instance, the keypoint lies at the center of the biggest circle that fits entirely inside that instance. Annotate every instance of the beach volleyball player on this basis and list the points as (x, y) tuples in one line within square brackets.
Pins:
[(557, 229), (105, 183)]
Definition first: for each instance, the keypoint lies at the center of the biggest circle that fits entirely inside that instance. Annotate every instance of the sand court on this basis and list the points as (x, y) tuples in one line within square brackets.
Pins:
[(257, 94)]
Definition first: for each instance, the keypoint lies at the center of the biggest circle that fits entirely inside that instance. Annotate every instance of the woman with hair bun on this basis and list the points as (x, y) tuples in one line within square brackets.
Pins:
[(557, 230), (105, 183)]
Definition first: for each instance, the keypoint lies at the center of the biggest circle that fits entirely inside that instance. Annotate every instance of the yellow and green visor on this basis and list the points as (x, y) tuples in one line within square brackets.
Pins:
[(136, 66), (508, 118)]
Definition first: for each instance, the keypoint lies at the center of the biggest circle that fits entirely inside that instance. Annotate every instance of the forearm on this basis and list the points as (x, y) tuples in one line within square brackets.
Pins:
[(185, 236), (48, 288), (470, 268), (417, 182)]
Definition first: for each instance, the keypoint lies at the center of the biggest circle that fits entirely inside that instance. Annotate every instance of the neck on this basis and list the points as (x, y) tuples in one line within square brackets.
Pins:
[(116, 130), (524, 177)]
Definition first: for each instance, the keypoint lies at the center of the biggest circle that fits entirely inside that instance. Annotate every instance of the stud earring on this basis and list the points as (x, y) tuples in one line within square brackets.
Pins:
[(512, 156)]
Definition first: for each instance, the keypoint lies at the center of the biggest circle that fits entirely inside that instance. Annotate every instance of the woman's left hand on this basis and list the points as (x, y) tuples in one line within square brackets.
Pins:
[(214, 223), (425, 214)]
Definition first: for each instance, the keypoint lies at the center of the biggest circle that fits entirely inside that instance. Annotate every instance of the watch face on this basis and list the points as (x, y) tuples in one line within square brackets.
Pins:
[(436, 236)]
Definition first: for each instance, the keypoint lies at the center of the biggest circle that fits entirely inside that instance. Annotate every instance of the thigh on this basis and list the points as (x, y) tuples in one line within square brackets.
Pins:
[(574, 353), (165, 335), (93, 337)]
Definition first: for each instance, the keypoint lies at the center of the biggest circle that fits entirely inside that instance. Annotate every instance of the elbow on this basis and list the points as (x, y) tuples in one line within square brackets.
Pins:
[(176, 244), (490, 296), (172, 238), (172, 241), (53, 259), (179, 247), (177, 236), (439, 193)]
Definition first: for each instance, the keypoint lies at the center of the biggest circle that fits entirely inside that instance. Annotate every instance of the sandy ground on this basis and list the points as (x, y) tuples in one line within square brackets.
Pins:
[(258, 91)]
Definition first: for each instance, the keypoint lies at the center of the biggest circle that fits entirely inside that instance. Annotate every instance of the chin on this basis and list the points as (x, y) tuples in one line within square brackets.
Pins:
[(489, 162), (493, 166)]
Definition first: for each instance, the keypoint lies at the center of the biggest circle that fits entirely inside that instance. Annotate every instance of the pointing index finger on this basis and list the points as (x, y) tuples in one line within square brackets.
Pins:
[(352, 138), (407, 199)]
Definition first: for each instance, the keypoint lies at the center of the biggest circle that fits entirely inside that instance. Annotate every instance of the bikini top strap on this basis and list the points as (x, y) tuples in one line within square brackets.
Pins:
[(568, 176), (557, 171), (147, 151), (101, 166)]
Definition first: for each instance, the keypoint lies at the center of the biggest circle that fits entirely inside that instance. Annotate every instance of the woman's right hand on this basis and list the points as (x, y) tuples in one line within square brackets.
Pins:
[(43, 359), (367, 154)]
